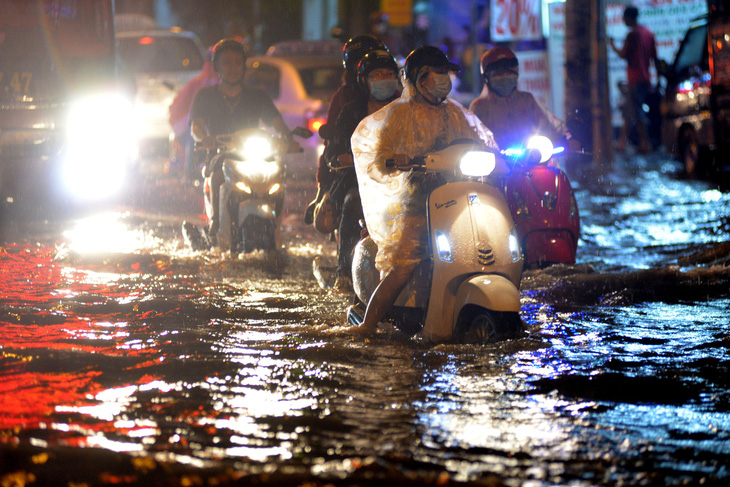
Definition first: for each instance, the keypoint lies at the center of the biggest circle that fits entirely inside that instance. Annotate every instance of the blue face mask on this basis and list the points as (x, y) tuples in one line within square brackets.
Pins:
[(503, 85), (383, 89)]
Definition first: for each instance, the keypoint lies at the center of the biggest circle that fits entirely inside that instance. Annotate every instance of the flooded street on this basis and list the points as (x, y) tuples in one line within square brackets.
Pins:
[(128, 359)]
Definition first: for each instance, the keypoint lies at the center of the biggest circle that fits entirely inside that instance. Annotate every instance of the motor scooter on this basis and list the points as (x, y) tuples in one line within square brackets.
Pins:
[(543, 206), (251, 197), (469, 287)]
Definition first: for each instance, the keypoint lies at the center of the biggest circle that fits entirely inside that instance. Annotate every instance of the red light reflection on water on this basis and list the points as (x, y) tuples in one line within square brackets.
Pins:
[(44, 337)]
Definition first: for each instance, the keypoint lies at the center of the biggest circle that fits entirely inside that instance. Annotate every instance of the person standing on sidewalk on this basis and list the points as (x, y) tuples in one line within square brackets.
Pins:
[(639, 51)]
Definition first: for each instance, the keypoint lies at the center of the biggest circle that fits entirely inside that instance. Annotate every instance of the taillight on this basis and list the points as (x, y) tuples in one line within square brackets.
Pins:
[(315, 123)]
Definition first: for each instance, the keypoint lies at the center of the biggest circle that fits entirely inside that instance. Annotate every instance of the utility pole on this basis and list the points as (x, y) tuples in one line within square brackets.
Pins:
[(587, 75)]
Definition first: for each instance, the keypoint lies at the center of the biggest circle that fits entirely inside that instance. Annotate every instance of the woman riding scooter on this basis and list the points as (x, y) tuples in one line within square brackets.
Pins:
[(420, 121), (225, 108), (377, 78), (512, 115)]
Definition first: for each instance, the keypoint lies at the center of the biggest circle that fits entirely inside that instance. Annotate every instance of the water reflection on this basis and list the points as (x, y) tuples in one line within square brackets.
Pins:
[(133, 345)]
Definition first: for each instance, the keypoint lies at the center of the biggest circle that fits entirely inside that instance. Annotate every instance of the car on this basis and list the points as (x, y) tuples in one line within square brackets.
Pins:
[(300, 77), (696, 104), (161, 62)]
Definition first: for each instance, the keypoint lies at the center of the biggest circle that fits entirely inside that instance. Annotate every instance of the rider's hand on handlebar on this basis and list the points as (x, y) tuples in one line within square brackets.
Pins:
[(209, 142), (401, 160)]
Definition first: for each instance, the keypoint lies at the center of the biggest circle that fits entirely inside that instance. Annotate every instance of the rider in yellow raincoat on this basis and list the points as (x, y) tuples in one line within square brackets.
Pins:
[(422, 120)]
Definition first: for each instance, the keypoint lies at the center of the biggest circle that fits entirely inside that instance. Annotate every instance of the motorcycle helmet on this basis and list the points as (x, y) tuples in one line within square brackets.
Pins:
[(356, 48), (229, 44), (373, 60), (498, 58), (427, 56)]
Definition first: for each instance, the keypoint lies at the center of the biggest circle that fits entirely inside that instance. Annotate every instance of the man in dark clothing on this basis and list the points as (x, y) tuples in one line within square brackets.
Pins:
[(227, 107), (377, 80), (354, 50), (639, 51)]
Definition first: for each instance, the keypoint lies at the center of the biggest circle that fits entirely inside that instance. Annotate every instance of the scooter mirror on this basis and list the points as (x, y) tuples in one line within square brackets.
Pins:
[(305, 133)]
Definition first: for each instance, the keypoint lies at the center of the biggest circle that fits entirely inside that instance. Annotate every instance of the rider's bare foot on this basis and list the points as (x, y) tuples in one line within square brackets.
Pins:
[(363, 331)]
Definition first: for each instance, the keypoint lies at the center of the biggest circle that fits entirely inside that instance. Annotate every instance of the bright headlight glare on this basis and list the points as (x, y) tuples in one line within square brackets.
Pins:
[(443, 247), (256, 168), (477, 163), (514, 246), (543, 145), (257, 148), (106, 118), (274, 188), (100, 136)]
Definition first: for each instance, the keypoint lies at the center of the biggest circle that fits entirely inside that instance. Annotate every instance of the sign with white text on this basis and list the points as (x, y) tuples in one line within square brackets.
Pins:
[(515, 20)]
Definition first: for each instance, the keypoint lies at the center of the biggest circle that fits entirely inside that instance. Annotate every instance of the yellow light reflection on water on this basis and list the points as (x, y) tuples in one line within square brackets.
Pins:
[(107, 233)]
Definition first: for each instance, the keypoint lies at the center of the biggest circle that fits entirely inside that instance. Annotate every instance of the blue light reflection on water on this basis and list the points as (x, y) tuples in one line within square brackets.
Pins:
[(640, 217)]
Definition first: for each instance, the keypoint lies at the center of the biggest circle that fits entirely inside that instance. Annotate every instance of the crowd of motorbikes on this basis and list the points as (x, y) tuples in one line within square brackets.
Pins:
[(492, 215)]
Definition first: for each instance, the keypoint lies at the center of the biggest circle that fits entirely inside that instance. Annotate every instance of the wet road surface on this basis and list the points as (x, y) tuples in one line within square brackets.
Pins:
[(128, 359)]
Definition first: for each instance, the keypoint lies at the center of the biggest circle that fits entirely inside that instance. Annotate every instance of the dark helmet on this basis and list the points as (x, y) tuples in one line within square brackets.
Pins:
[(375, 60), (229, 44), (356, 48), (498, 58), (427, 56)]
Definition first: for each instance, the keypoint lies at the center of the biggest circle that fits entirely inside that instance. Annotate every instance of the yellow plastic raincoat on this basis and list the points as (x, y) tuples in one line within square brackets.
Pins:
[(394, 201)]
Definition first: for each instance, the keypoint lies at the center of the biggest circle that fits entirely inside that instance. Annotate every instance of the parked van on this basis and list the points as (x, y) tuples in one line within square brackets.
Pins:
[(696, 106)]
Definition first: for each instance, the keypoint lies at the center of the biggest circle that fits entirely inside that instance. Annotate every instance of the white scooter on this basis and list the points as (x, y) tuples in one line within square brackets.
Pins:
[(251, 197), (469, 288)]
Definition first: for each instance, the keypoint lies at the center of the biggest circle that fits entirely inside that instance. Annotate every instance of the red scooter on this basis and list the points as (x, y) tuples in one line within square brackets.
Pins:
[(543, 206)]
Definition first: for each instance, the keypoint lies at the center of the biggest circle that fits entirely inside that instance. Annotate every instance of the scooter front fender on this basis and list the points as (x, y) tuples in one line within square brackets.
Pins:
[(489, 291)]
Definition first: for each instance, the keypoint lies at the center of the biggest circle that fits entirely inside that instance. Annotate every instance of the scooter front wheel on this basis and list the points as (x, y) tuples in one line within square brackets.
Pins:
[(482, 329), (480, 325)]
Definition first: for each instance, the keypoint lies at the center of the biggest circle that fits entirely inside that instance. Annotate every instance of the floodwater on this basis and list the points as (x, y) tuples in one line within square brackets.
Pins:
[(128, 359)]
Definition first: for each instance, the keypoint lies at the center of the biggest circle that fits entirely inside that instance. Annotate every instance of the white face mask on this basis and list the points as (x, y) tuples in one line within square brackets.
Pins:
[(383, 89), (441, 86)]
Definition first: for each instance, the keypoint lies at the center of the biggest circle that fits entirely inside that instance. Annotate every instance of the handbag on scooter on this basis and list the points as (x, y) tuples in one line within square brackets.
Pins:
[(325, 220)]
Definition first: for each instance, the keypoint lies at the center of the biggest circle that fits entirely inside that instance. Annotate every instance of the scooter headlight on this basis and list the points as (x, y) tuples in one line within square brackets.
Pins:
[(257, 148), (514, 246), (543, 145), (477, 163), (243, 187), (443, 246), (256, 169), (274, 188)]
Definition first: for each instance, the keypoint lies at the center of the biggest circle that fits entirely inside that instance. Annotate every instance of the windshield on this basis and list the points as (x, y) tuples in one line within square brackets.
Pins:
[(155, 54), (321, 82), (692, 51), (48, 45)]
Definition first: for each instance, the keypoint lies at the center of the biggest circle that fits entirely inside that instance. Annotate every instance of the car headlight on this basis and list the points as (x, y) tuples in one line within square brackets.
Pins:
[(543, 145), (100, 144), (477, 163), (257, 148)]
